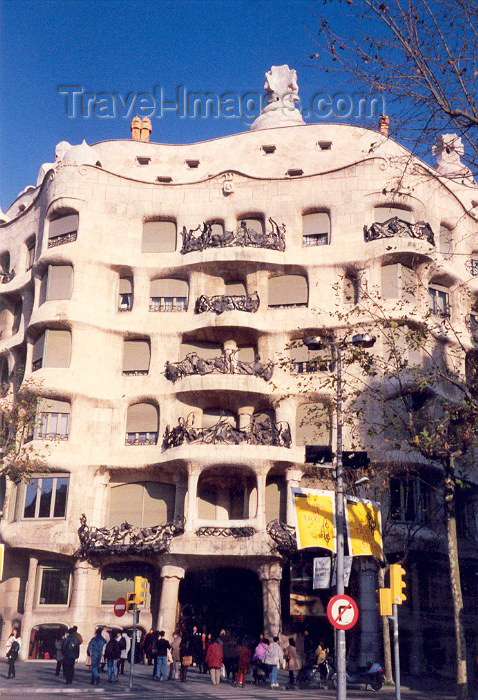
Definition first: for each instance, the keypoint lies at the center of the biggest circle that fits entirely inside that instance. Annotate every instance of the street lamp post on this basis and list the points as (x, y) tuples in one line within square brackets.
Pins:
[(316, 343)]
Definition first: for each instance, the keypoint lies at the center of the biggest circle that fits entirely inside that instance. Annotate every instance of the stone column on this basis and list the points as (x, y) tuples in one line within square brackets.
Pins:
[(27, 618), (261, 502), (168, 604), (192, 510), (292, 479), (179, 496), (245, 415), (83, 592), (270, 576), (370, 639)]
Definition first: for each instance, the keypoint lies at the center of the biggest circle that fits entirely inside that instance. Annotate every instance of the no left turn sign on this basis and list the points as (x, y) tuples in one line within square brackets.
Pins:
[(342, 612)]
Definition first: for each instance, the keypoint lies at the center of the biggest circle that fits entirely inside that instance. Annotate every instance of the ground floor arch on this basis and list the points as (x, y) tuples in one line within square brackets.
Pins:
[(222, 597)]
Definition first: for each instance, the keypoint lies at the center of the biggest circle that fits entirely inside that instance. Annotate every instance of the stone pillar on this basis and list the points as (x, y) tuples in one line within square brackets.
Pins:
[(416, 639), (245, 415), (84, 590), (179, 496), (292, 479), (261, 502), (270, 576), (27, 618), (370, 640), (168, 605), (192, 510)]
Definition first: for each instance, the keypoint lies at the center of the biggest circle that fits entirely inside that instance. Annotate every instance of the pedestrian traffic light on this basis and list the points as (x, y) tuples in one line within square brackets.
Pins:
[(397, 584), (385, 601), (140, 590), (131, 602)]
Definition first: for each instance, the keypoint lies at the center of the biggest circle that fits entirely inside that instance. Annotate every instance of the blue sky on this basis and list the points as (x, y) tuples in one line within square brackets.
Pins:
[(119, 46)]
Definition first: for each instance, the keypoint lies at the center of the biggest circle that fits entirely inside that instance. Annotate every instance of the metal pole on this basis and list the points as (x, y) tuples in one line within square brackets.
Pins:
[(133, 650), (396, 652), (340, 522)]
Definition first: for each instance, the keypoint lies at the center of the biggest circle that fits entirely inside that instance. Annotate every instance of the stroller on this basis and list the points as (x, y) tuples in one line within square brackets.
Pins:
[(259, 672)]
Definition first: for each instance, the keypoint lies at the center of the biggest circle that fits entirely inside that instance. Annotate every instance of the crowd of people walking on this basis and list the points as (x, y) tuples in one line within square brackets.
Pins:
[(225, 656)]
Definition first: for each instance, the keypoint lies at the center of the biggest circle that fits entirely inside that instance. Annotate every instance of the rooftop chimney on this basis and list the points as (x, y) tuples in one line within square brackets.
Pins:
[(383, 125), (141, 129)]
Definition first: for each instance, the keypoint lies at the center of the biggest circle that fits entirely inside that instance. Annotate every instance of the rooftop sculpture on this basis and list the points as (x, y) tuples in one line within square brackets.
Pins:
[(448, 150), (283, 94)]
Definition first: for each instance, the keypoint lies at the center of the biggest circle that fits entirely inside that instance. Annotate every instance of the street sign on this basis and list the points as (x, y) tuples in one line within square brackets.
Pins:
[(342, 612), (119, 607)]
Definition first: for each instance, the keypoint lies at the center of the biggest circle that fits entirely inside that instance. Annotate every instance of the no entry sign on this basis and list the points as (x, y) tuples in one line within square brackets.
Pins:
[(119, 607), (342, 612)]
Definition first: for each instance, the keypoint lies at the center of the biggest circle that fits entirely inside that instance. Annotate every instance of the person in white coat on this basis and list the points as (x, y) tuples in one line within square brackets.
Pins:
[(125, 645)]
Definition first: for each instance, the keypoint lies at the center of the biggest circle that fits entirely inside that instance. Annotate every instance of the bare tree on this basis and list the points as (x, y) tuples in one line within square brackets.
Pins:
[(421, 55)]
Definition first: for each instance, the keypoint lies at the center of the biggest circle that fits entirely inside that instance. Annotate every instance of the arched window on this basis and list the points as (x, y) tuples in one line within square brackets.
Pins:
[(159, 237), (439, 300), (256, 223), (288, 290), (143, 504), (445, 242), (63, 229), (399, 282), (384, 213), (136, 357), (125, 300), (316, 229), (142, 424), (168, 295), (276, 498)]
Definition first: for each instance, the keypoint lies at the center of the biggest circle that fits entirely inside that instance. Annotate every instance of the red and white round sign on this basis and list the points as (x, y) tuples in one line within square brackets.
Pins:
[(342, 612), (119, 607)]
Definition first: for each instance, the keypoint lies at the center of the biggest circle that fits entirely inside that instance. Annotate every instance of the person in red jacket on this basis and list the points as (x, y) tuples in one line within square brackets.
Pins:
[(214, 659), (243, 663)]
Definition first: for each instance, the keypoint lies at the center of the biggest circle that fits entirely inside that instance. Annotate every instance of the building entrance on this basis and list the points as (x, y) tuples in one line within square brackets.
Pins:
[(227, 598)]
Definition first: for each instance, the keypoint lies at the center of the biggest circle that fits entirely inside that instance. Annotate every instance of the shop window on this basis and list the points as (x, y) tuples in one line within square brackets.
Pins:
[(53, 584), (159, 237), (141, 504), (439, 300), (57, 283), (117, 580), (316, 229), (168, 295), (54, 419), (125, 300), (288, 291), (45, 497), (136, 357), (52, 349), (42, 640), (63, 229), (142, 424)]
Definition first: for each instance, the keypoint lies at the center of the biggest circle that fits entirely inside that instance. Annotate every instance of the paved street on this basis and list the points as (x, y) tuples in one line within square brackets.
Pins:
[(39, 680)]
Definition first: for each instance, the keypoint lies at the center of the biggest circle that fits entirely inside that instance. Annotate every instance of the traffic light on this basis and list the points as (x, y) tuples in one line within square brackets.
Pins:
[(130, 602), (140, 590), (397, 584), (385, 601)]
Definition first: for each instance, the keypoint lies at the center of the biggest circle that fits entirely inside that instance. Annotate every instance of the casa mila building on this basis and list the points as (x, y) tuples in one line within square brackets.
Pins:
[(155, 298)]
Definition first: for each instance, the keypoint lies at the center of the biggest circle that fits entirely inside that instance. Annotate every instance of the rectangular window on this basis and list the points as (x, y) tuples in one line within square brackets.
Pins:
[(54, 585), (168, 303), (45, 497), (53, 426), (316, 229), (439, 304), (30, 256), (150, 438), (313, 239), (63, 230)]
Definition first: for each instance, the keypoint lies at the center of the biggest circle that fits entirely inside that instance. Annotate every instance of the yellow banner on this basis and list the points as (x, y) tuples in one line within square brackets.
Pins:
[(315, 518), (364, 527)]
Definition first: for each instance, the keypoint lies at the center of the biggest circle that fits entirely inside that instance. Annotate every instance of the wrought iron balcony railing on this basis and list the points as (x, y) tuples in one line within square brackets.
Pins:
[(52, 436), (398, 227), (259, 432), (311, 366), (227, 302), (227, 363), (243, 237), (126, 539), (284, 537), (64, 238), (237, 532)]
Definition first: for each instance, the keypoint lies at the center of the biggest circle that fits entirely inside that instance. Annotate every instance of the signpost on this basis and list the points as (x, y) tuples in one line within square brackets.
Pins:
[(119, 607), (342, 612)]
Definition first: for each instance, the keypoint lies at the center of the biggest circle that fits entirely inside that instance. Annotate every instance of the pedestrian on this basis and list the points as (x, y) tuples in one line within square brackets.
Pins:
[(214, 659), (71, 651), (95, 652), (161, 665), (58, 655), (292, 660), (204, 645), (125, 645), (186, 654), (112, 654), (229, 645), (106, 636), (321, 654), (13, 647), (196, 639), (260, 650), (77, 634), (147, 646), (273, 658), (175, 670), (243, 663)]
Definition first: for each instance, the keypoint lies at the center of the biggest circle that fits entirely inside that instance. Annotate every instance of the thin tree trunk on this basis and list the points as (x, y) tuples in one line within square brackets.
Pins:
[(455, 582), (387, 649)]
